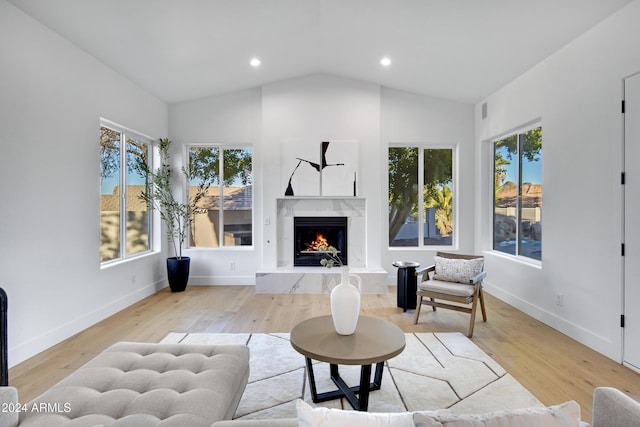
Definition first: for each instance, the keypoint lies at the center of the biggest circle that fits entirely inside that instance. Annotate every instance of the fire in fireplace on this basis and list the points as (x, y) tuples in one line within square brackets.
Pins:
[(311, 234)]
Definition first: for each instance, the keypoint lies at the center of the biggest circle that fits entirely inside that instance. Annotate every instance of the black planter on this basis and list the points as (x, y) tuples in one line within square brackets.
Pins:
[(178, 273)]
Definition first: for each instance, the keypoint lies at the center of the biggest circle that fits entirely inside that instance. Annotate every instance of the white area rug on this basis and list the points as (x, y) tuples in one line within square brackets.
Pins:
[(435, 371)]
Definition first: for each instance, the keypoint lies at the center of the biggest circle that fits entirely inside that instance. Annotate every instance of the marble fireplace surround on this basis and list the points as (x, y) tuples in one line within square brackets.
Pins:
[(285, 278), (354, 208)]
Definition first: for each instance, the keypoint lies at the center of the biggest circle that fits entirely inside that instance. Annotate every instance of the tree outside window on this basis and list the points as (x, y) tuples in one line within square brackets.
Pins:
[(421, 196), (124, 219), (225, 215), (517, 217)]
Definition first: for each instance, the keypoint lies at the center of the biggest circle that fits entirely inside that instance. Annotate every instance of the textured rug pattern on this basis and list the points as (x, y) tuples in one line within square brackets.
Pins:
[(435, 371)]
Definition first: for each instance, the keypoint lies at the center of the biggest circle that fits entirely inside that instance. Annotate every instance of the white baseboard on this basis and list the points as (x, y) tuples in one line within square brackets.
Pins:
[(602, 345), (222, 280), (30, 348)]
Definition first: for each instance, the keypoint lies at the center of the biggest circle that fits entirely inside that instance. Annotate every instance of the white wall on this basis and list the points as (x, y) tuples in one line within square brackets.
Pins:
[(309, 110), (52, 98), (411, 118), (576, 93), (231, 119)]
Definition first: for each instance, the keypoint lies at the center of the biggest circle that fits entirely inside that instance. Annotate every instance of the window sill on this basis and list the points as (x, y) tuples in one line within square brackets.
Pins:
[(120, 261), (515, 258), (423, 248), (220, 248)]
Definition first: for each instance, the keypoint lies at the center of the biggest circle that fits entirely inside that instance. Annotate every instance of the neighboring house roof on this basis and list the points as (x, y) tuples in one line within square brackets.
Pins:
[(111, 202), (235, 198)]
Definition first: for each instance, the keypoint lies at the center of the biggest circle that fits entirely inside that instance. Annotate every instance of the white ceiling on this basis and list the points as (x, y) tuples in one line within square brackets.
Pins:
[(185, 49)]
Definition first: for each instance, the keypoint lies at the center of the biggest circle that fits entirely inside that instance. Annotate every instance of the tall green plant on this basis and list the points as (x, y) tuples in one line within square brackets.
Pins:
[(443, 202), (158, 195)]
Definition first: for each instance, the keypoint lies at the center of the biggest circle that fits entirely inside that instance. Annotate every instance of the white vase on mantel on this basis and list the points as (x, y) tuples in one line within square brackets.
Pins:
[(345, 302)]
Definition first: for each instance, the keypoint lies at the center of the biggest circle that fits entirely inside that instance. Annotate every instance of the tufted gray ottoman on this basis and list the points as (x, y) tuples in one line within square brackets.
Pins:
[(145, 384)]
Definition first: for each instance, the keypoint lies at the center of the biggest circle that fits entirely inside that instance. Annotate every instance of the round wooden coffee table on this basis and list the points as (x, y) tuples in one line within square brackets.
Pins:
[(374, 341)]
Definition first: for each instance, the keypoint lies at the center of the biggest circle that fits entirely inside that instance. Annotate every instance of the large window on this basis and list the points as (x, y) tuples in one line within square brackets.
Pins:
[(225, 215), (421, 196), (124, 220), (517, 208)]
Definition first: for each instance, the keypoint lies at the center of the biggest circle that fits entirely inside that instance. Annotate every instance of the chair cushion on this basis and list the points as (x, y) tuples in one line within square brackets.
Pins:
[(448, 288), (457, 270)]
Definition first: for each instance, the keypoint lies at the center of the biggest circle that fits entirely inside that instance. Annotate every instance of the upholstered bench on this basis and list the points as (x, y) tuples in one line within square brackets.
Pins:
[(145, 384)]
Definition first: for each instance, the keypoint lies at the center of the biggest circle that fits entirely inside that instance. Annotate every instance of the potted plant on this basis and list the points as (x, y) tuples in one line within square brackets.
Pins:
[(175, 214)]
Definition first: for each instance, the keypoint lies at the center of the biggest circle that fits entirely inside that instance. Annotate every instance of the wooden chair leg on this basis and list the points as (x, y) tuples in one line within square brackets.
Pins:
[(472, 322), (484, 311), (433, 306), (418, 305), (471, 325)]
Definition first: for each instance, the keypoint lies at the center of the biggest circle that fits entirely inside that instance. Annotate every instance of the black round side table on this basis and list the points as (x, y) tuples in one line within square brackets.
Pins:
[(407, 284)]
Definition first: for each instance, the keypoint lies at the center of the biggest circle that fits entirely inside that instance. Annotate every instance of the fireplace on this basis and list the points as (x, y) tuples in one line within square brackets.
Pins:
[(312, 233)]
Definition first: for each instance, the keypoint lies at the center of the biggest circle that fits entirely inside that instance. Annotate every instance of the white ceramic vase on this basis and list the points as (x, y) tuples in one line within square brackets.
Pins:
[(345, 303)]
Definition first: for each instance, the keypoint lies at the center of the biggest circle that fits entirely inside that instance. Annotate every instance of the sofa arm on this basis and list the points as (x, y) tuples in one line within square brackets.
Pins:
[(284, 422), (9, 407), (611, 407)]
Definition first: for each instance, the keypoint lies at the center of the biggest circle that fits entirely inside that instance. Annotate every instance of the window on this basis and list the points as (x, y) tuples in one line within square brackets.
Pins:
[(517, 207), (229, 223), (124, 220), (421, 196)]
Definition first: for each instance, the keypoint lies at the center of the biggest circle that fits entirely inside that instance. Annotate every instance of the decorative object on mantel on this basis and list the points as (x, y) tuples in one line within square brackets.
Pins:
[(330, 180), (158, 194), (345, 297)]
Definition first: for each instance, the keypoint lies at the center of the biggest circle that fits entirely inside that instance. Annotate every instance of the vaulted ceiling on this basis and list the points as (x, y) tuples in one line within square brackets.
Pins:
[(455, 49)]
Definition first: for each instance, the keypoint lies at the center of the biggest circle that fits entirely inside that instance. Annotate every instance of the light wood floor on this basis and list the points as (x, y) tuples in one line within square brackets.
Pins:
[(552, 366)]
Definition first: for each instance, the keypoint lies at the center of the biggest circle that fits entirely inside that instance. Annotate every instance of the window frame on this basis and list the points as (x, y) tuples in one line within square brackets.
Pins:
[(149, 141), (421, 212), (517, 132), (220, 186)]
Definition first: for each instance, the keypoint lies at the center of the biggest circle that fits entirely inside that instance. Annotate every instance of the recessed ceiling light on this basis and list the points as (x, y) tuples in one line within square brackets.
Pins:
[(385, 62), (255, 62)]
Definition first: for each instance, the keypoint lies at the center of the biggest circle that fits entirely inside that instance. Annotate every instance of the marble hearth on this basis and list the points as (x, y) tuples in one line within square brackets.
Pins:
[(285, 278), (316, 280)]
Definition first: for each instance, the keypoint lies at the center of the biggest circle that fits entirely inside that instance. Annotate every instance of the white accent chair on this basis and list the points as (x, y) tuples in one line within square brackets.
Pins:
[(459, 282)]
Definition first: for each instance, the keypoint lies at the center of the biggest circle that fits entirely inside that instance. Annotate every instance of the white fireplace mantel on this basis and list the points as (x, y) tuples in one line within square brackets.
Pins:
[(354, 208), (285, 278)]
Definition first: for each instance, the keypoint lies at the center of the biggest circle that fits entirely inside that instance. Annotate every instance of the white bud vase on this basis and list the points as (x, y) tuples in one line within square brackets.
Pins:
[(345, 303)]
